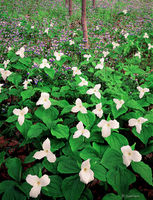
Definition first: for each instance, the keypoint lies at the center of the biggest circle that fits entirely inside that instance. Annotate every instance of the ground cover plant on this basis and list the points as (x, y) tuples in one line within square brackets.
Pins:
[(76, 123)]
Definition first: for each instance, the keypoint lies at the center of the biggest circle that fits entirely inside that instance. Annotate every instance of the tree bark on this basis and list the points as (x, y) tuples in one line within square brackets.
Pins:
[(70, 7), (66, 3), (84, 23), (93, 3)]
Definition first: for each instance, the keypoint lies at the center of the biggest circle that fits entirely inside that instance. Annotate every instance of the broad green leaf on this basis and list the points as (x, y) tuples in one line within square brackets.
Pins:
[(72, 187), (11, 119), (99, 172), (60, 131), (116, 113), (100, 148), (68, 165), (87, 119), (2, 155), (51, 167), (77, 143), (50, 72), (67, 109), (54, 188), (89, 152), (30, 157), (14, 168), (35, 130), (27, 94), (15, 79), (25, 127), (5, 185), (134, 195), (143, 170), (26, 61), (13, 193), (116, 141), (112, 196), (116, 178)]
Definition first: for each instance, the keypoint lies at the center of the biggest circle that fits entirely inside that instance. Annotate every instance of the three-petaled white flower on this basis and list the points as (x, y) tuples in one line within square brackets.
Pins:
[(20, 52), (37, 183), (79, 107), (119, 103), (46, 152), (83, 82), (101, 65), (44, 64), (32, 27), (51, 24), (115, 45), (10, 48), (137, 123), (5, 73), (76, 71), (138, 54), (44, 100), (25, 83), (81, 131), (97, 28), (124, 11), (20, 113), (107, 126), (71, 42), (146, 35), (95, 91), (1, 87), (98, 111), (126, 35), (6, 62), (105, 53), (58, 55), (150, 46), (142, 91), (130, 155), (86, 174), (46, 30), (87, 56)]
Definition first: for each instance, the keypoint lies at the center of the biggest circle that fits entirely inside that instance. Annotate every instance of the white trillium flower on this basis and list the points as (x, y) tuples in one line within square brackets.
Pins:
[(79, 107), (138, 54), (58, 55), (105, 53), (115, 45), (1, 87), (6, 62), (37, 183), (71, 42), (97, 28), (126, 35), (44, 64), (20, 52), (150, 46), (44, 100), (101, 65), (5, 73), (83, 82), (87, 56), (124, 11), (25, 83), (76, 71), (51, 24), (19, 24), (46, 30), (107, 126), (130, 155), (146, 35), (137, 123), (46, 152), (119, 103), (10, 48), (86, 174), (142, 91), (81, 131), (20, 114), (95, 91), (98, 111)]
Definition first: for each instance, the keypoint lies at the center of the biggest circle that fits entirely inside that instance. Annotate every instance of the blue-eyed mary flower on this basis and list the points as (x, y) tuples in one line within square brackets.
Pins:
[(137, 123), (20, 114), (37, 184), (130, 155), (107, 126), (46, 152), (86, 174)]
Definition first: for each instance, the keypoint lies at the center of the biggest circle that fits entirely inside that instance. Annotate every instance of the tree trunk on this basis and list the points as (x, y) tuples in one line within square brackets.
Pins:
[(66, 3), (93, 1), (84, 23), (70, 7)]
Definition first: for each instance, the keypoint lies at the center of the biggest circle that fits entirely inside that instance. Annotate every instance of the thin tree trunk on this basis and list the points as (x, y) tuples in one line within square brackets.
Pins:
[(66, 3), (84, 23), (70, 7), (93, 1)]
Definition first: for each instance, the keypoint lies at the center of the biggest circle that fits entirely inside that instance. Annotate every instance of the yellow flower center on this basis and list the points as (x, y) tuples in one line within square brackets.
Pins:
[(46, 151), (129, 153), (108, 125), (85, 169), (45, 99), (38, 182)]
